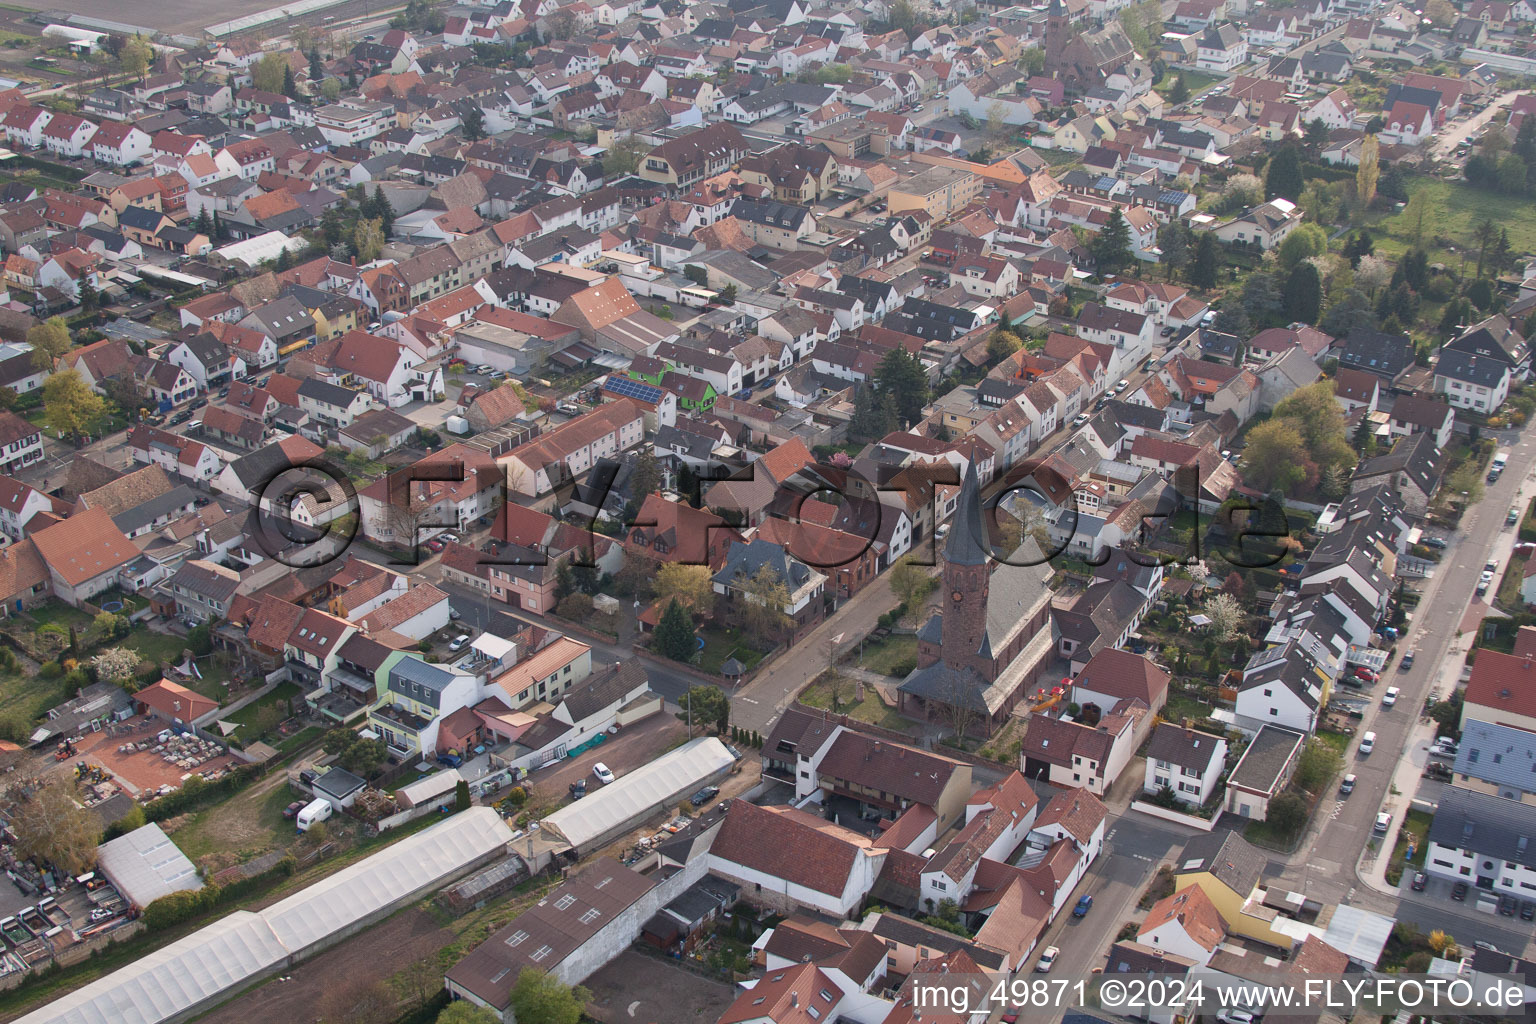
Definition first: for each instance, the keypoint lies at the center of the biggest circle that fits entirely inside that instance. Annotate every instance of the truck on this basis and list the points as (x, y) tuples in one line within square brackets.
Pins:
[(314, 812), (1500, 460)]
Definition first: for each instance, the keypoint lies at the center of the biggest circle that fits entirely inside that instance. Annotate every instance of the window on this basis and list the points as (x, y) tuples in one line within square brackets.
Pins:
[(540, 954), (564, 901), (591, 915)]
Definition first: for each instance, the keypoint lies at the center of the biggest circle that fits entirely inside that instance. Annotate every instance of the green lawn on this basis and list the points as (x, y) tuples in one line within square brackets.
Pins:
[(282, 696), (1453, 210), (720, 644), (1194, 81), (1415, 826), (1509, 586), (884, 656), (871, 709)]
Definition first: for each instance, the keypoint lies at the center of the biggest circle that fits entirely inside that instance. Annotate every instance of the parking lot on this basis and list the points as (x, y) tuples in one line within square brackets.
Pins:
[(640, 989), (622, 752)]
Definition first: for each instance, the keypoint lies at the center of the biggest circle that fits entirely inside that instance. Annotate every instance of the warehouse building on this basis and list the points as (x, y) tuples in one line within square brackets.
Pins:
[(145, 865), (571, 933), (626, 802), (187, 977)]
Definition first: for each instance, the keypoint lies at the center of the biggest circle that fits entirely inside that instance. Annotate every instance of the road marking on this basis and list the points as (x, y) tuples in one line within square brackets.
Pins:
[(746, 700)]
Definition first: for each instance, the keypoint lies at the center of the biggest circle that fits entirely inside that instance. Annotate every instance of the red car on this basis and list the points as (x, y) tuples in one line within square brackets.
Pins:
[(435, 545), (1365, 673), (293, 809)]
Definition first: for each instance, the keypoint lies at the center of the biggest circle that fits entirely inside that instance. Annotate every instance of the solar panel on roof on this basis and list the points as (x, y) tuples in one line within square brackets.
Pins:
[(628, 388)]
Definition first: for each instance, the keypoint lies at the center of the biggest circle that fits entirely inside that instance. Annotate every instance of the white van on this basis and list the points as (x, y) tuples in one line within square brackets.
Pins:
[(317, 810)]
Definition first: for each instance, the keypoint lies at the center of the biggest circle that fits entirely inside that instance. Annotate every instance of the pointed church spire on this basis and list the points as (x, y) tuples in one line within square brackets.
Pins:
[(968, 542)]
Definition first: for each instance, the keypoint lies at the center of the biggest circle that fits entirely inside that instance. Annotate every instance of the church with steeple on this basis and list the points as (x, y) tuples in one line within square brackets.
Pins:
[(1081, 59), (992, 641)]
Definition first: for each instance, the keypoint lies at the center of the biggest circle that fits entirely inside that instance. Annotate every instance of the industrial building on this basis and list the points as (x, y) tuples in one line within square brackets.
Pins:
[(187, 977), (627, 801), (145, 865)]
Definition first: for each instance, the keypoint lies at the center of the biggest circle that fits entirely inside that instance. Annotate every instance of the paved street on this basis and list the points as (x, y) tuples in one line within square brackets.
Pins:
[(1446, 141), (1134, 844), (1324, 866)]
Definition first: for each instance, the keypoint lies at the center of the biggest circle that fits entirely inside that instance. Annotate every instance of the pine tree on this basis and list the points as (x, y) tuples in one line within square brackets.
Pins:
[(1283, 177), (1179, 92), (1303, 293), (903, 377), (674, 637), (1111, 248), (473, 123), (1207, 265), (383, 211), (316, 67), (290, 87), (1173, 244)]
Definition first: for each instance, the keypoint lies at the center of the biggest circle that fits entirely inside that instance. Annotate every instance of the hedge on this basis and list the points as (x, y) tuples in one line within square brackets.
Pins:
[(177, 907), (196, 793)]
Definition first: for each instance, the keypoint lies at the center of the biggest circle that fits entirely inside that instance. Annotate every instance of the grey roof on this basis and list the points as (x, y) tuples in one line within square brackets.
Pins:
[(1227, 856), (1288, 664), (745, 560), (1490, 826), (1498, 754), (326, 392), (144, 514), (1385, 355), (1262, 767), (1484, 370), (604, 689), (339, 782), (419, 681), (967, 543), (1187, 748)]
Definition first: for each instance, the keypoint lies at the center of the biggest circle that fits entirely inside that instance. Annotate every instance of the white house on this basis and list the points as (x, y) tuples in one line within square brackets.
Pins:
[(1471, 381), (1483, 840), (175, 454), (1186, 924), (787, 859), (1186, 761)]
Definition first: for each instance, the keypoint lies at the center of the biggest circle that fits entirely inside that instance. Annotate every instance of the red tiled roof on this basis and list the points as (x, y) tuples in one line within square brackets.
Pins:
[(792, 845)]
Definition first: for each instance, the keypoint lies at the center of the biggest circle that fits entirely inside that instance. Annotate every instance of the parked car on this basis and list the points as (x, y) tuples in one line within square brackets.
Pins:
[(1527, 910), (1420, 880), (1348, 785), (1434, 542), (1084, 905), (1508, 905), (459, 642), (1383, 822), (1367, 743), (1043, 965), (1407, 661), (1444, 746), (293, 809), (435, 545), (602, 772), (704, 796), (1459, 891), (1390, 697), (1368, 674), (1235, 1017)]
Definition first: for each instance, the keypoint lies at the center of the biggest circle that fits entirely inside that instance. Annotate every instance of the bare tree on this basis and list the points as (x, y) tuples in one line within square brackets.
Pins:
[(764, 598), (52, 827)]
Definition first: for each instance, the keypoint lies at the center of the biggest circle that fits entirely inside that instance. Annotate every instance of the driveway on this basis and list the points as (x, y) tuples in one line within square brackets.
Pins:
[(623, 752), (1446, 141)]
